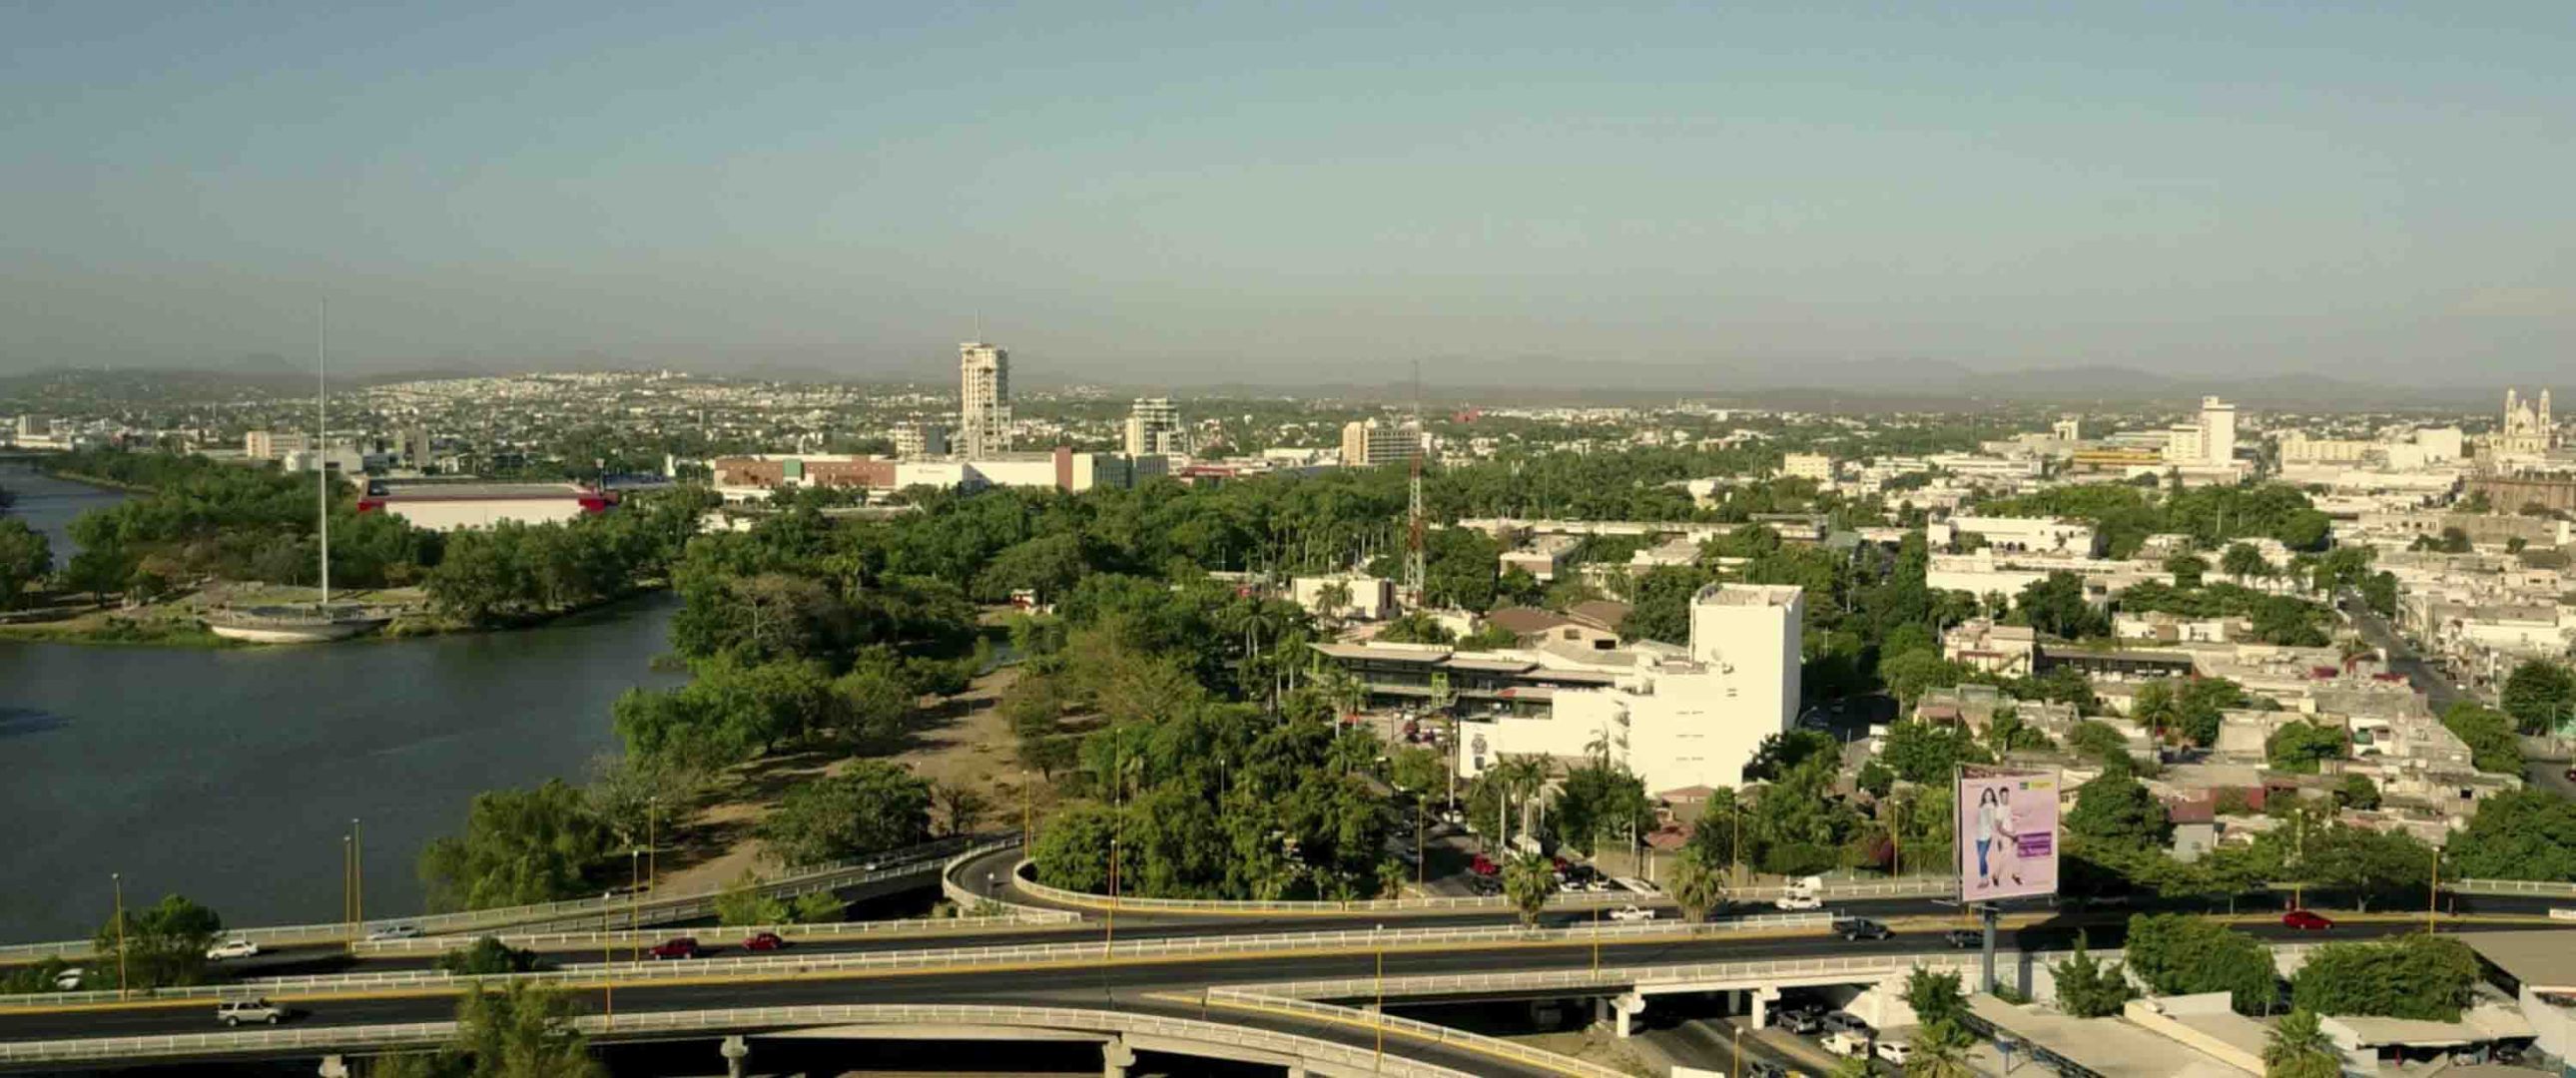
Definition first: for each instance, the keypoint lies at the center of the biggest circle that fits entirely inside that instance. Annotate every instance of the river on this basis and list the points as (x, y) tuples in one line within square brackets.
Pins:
[(48, 504), (230, 775)]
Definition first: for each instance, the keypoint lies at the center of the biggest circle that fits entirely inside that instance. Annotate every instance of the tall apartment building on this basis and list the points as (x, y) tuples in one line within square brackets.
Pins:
[(2208, 443), (916, 440), (1369, 443), (1154, 428), (415, 449), (272, 445), (983, 400)]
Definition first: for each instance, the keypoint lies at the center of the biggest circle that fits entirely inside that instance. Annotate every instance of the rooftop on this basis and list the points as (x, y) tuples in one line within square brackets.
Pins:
[(1748, 595), (2543, 960)]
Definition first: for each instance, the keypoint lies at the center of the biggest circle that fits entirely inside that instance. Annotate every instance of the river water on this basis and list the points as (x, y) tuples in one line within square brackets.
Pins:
[(48, 504), (230, 775)]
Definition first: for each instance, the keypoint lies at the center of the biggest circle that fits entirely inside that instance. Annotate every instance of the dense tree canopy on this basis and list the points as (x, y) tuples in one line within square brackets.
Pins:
[(519, 847), (2410, 976), (872, 807), (2177, 954)]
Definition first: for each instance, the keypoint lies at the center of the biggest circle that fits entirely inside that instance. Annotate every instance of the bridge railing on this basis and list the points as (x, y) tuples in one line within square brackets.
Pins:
[(1922, 887), (1536, 1058), (789, 964), (1319, 1050), (2536, 888), (672, 906), (792, 933)]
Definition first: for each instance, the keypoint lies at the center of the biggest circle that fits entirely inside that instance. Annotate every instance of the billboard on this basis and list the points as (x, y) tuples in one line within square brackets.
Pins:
[(2006, 824)]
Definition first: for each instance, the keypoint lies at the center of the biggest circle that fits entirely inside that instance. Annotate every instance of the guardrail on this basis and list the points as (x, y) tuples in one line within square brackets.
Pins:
[(1407, 1027), (426, 1034), (1159, 948), (2538, 888), (1922, 887), (672, 906), (792, 933)]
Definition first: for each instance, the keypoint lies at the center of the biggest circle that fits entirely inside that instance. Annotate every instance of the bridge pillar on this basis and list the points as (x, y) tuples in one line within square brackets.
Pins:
[(1115, 1058), (1628, 1007), (1762, 1000), (335, 1067), (735, 1050)]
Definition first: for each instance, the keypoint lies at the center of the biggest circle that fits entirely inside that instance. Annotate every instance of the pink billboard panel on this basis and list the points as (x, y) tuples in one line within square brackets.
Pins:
[(2007, 831)]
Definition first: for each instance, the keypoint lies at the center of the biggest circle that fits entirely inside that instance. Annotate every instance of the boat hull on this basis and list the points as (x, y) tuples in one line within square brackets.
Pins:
[(316, 633)]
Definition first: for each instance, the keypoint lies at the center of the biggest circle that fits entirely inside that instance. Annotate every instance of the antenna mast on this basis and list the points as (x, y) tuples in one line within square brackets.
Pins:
[(321, 444), (1414, 589)]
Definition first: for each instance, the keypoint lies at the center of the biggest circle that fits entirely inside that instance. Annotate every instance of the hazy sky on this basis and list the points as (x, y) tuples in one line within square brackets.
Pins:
[(1212, 191)]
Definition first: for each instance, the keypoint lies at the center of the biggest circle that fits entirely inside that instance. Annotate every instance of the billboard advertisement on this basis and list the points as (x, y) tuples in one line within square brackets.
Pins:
[(2007, 833)]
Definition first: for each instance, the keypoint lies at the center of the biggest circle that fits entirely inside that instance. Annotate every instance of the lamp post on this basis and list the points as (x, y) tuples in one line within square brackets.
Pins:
[(357, 872), (348, 863), (652, 839), (634, 901), (1378, 1020), (117, 881)]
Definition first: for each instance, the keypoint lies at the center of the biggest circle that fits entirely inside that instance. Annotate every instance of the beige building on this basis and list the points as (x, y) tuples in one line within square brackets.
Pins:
[(983, 400), (1369, 443)]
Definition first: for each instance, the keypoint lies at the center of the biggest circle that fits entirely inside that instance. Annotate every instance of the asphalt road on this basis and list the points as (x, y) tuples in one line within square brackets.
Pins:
[(2375, 631)]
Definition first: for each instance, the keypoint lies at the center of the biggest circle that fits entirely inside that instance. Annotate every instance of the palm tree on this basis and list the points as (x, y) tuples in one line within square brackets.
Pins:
[(2299, 1048), (1697, 885), (1527, 880), (1940, 1051), (1333, 598), (1519, 778)]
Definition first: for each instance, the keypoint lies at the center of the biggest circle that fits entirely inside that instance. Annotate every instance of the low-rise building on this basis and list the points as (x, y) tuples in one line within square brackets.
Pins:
[(470, 506)]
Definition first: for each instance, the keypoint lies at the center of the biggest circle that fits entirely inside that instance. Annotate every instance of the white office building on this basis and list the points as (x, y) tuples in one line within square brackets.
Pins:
[(983, 400), (1677, 717)]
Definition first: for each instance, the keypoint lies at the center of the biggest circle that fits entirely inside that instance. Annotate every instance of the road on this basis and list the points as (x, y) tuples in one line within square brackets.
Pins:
[(2439, 691)]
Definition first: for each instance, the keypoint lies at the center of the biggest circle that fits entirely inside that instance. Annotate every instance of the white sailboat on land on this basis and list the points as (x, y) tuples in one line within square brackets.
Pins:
[(295, 623)]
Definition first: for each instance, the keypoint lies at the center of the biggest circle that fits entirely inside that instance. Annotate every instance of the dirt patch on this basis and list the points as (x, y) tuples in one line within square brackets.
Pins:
[(1594, 1045), (961, 739)]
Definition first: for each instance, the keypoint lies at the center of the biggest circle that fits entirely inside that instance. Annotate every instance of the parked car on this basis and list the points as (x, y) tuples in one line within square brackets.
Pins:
[(1484, 886), (1798, 902), (1966, 939), (70, 980), (1895, 1051), (1632, 913), (396, 932), (1763, 1068), (1845, 1022), (764, 941), (1484, 866), (2306, 921), (1802, 1020), (1861, 928), (233, 1012), (677, 947), (1843, 1042), (233, 948)]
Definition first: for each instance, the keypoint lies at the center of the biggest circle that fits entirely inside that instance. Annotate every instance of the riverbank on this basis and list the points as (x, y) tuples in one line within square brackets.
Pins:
[(179, 621)]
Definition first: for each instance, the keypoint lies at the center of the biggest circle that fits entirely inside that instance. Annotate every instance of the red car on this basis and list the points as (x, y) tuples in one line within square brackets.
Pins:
[(2306, 921), (679, 947), (764, 941), (1484, 866)]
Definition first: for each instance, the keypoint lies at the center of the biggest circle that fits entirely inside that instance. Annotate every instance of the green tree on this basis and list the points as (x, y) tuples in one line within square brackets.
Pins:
[(818, 908), (873, 807), (2490, 734), (2116, 810), (25, 557), (163, 943), (2243, 562), (2099, 741), (2416, 976), (2298, 746), (1697, 884), (1911, 674), (2056, 606), (2370, 866), (2357, 791), (1418, 770), (2198, 706), (961, 807), (1528, 880), (519, 847), (2180, 954), (486, 956), (742, 903), (2187, 568), (1073, 849), (2086, 988), (521, 1031), (2299, 1048), (2540, 695), (1930, 753), (1935, 997), (1940, 1050), (2525, 834)]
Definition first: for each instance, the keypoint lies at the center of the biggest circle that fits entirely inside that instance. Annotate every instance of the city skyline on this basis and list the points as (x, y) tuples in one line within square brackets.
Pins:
[(1202, 197)]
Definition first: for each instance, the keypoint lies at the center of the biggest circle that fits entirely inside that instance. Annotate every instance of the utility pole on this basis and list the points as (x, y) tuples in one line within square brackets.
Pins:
[(358, 872), (117, 880)]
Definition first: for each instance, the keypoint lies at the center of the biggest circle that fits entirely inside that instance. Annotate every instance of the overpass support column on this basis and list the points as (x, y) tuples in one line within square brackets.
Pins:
[(735, 1050), (335, 1067), (1628, 1007), (1762, 1000), (1115, 1058)]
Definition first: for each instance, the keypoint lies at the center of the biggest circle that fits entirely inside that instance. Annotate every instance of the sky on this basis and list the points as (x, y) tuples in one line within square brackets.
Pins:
[(1204, 192)]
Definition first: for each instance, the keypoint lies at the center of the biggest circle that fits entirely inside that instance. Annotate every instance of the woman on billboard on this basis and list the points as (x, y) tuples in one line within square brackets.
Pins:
[(1997, 844)]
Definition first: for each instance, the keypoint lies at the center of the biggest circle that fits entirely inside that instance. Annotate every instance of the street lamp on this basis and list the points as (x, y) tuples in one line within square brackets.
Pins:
[(1379, 1019), (357, 873), (117, 881)]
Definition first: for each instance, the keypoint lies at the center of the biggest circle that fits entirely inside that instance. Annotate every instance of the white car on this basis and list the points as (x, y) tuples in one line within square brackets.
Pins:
[(1632, 913), (395, 932), (231, 949), (1799, 902), (70, 979), (1843, 1042), (1895, 1051)]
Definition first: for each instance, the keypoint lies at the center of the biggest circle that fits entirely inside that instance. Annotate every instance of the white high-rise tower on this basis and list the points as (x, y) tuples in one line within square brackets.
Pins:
[(2217, 430), (983, 400)]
